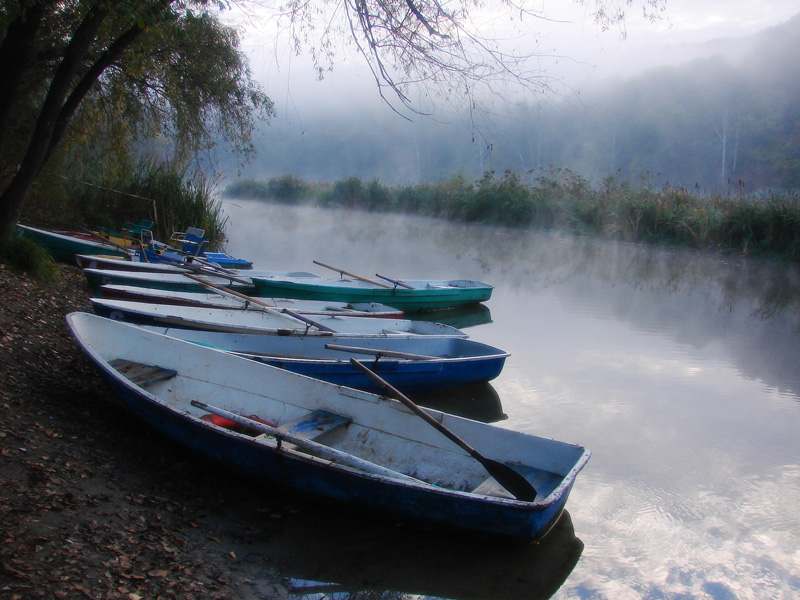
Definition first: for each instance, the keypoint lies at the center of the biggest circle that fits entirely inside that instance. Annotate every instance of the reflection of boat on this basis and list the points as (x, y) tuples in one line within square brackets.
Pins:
[(461, 317), (64, 245), (354, 561), (279, 321), (336, 444), (479, 402)]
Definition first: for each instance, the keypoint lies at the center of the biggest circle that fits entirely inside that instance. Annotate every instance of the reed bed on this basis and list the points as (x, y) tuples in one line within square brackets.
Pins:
[(173, 198), (762, 225)]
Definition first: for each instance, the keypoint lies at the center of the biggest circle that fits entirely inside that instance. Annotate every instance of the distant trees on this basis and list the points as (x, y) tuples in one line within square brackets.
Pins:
[(709, 125)]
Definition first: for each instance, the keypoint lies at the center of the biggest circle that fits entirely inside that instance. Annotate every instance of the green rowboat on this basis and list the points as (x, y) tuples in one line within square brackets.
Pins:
[(408, 295), (64, 245)]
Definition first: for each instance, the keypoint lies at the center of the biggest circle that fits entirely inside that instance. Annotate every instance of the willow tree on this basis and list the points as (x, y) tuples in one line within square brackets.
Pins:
[(455, 49), (112, 73)]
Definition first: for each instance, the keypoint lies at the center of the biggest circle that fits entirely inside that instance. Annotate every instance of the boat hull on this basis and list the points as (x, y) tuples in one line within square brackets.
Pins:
[(95, 261), (215, 300), (174, 281), (260, 322), (64, 246), (164, 277), (376, 424), (453, 361)]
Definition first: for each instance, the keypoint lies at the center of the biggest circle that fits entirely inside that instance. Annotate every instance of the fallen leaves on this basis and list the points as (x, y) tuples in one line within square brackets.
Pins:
[(76, 521)]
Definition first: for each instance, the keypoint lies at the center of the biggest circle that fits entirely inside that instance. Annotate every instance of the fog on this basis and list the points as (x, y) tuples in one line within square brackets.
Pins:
[(707, 113)]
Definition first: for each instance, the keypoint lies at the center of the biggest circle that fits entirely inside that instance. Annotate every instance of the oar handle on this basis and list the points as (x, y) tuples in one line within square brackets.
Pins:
[(395, 281), (353, 275), (305, 319), (378, 352)]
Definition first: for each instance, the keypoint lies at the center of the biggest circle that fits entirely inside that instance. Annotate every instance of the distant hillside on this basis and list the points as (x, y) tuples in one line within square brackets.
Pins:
[(728, 121)]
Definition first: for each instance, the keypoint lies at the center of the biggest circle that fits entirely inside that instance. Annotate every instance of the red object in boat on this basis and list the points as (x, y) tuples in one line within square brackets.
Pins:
[(233, 425)]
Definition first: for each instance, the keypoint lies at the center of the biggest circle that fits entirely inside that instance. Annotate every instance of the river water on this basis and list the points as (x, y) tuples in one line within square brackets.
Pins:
[(679, 370)]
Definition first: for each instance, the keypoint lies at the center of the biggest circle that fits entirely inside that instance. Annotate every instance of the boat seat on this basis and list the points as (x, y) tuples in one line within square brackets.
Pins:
[(140, 373), (315, 424)]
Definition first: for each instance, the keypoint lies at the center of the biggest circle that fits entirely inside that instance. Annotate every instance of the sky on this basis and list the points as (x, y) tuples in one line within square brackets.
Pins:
[(292, 83), (688, 23)]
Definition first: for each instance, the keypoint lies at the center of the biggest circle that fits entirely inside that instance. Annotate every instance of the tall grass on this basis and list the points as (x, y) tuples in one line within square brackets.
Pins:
[(23, 254), (561, 199), (173, 198)]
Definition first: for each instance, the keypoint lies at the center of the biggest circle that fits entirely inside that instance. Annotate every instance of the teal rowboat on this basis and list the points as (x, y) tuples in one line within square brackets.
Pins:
[(410, 295), (64, 245)]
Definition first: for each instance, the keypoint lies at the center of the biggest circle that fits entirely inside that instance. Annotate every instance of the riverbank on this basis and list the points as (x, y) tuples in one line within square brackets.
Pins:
[(93, 504)]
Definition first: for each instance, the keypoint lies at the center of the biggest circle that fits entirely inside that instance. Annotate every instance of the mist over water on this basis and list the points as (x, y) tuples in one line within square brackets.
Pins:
[(678, 369)]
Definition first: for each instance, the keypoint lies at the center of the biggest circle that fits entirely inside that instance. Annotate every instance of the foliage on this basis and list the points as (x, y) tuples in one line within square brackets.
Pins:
[(248, 189), (185, 83), (112, 78), (23, 254), (348, 193), (287, 188), (666, 122)]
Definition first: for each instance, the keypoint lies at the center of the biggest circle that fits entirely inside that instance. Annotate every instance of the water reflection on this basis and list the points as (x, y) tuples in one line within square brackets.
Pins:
[(397, 564), (460, 318), (479, 402), (678, 369)]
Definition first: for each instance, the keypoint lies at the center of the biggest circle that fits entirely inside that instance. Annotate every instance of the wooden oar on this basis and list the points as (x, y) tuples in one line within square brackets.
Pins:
[(281, 312), (515, 483), (318, 449), (353, 275), (378, 353), (394, 281)]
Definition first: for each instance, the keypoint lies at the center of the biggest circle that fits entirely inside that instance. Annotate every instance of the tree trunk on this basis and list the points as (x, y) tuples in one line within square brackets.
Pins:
[(15, 55), (14, 195), (60, 106)]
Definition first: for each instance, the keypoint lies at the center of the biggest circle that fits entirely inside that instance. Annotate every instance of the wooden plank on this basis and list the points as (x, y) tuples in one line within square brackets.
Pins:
[(141, 374)]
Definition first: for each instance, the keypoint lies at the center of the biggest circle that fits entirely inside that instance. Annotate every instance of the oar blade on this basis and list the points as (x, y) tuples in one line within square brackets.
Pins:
[(510, 479)]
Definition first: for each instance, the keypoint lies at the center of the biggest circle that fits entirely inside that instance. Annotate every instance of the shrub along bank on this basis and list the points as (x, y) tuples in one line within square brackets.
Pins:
[(759, 226)]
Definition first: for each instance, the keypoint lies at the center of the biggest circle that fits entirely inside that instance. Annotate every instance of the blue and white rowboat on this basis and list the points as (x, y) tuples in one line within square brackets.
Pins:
[(334, 443), (421, 363)]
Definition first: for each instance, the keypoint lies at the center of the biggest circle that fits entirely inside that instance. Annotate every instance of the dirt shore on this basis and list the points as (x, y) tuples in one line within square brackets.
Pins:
[(94, 504)]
